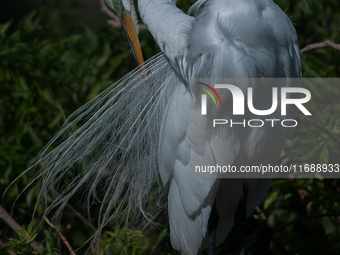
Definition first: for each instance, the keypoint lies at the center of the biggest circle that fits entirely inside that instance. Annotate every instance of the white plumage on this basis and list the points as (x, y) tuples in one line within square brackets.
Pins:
[(138, 132), (241, 39)]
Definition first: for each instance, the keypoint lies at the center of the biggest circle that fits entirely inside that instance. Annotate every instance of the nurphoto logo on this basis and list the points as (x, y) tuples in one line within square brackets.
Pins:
[(302, 96)]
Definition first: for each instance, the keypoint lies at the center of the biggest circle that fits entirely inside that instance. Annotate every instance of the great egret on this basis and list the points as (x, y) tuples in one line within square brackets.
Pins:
[(136, 134)]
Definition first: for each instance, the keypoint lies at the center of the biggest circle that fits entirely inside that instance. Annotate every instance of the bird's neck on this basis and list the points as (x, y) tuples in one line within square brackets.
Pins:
[(167, 24)]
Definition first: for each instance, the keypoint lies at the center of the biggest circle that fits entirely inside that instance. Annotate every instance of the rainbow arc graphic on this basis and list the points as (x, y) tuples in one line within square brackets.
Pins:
[(209, 93)]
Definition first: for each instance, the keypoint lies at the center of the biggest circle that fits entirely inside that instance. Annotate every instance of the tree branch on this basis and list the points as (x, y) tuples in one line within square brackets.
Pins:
[(61, 236), (81, 217), (321, 45), (314, 46), (108, 12), (77, 214), (320, 127), (15, 226)]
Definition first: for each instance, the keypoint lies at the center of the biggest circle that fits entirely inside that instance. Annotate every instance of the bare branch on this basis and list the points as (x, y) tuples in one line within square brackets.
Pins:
[(15, 226), (321, 45), (314, 46), (61, 236), (320, 127), (142, 27), (108, 12), (115, 24), (81, 217)]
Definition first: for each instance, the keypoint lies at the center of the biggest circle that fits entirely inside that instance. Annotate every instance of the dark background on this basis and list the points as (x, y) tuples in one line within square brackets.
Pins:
[(57, 55)]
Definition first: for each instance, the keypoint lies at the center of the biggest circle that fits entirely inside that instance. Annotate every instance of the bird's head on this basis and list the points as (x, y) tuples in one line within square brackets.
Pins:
[(126, 13)]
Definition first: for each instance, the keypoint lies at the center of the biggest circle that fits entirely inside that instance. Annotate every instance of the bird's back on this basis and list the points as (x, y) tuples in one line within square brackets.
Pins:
[(229, 39)]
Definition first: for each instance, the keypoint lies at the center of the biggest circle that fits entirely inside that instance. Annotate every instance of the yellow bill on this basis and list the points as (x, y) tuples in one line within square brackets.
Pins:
[(131, 34)]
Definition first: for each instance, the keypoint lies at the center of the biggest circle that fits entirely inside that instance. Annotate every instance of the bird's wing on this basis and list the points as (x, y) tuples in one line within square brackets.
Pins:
[(264, 43), (238, 39), (183, 145)]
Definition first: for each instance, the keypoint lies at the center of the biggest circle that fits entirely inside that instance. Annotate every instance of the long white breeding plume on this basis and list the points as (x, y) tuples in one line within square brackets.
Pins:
[(113, 140)]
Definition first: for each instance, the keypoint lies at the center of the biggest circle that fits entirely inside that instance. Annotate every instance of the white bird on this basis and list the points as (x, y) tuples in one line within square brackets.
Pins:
[(136, 138)]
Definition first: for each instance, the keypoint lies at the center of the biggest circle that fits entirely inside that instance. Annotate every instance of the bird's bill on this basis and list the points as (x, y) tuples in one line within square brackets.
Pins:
[(132, 37)]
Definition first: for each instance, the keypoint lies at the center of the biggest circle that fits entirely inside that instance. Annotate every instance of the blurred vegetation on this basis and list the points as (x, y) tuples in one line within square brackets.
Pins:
[(51, 63), (22, 246)]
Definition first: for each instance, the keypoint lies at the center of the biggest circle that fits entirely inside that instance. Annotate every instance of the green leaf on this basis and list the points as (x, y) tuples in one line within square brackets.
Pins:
[(271, 198), (4, 28), (324, 155)]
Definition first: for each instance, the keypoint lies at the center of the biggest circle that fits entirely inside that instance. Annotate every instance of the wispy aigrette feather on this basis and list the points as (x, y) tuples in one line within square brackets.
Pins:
[(109, 146), (140, 138)]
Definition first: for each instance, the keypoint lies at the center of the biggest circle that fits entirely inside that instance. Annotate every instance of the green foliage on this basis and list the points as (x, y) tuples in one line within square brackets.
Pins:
[(272, 196), (22, 246), (45, 77), (52, 63), (50, 239), (48, 69), (123, 242)]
